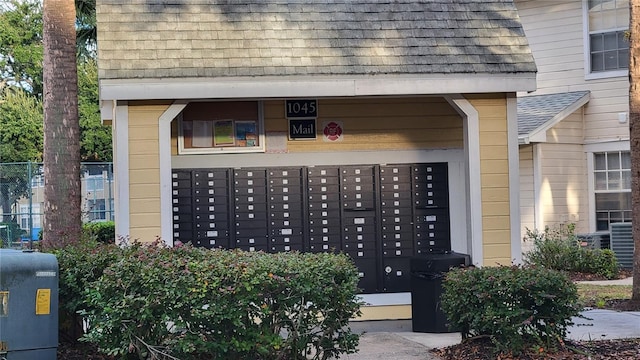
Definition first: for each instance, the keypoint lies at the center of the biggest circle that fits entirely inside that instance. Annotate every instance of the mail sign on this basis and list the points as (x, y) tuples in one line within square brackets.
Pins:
[(301, 129)]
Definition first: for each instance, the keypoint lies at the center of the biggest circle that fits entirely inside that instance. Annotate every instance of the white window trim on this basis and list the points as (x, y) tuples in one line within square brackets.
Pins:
[(228, 149), (590, 150), (588, 75)]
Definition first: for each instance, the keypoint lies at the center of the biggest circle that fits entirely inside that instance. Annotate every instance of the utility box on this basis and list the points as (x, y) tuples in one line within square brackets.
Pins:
[(28, 305)]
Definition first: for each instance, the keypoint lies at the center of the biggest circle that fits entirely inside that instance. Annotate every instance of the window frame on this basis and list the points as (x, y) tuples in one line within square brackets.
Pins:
[(591, 151), (182, 150), (590, 75), (93, 214)]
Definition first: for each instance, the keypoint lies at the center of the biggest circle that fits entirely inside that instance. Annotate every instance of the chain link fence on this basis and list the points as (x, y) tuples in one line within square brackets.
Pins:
[(22, 199)]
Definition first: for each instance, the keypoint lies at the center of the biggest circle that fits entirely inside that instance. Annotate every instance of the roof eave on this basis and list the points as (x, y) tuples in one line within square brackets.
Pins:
[(325, 86)]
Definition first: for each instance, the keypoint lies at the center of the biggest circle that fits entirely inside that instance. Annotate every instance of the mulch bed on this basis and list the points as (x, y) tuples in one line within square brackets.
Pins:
[(477, 349)]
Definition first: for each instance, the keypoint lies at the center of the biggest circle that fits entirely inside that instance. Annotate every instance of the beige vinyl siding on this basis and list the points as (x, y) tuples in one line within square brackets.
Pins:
[(370, 124), (568, 131), (563, 188), (494, 173), (527, 193), (144, 172), (376, 124), (555, 31)]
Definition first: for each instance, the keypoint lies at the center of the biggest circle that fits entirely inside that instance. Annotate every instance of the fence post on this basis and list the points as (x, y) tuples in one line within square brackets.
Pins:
[(30, 190)]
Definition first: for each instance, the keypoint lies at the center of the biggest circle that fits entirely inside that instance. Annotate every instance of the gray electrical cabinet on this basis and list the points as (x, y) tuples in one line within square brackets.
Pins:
[(28, 305)]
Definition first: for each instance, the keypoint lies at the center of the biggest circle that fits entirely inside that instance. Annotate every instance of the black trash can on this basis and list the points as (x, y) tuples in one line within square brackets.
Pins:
[(427, 272)]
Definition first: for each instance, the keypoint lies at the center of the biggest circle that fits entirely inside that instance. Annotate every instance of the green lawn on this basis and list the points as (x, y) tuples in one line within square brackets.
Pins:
[(597, 295)]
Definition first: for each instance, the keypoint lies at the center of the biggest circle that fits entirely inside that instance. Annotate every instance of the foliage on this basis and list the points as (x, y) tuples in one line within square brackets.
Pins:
[(20, 126), (194, 303), (104, 232), (9, 232), (80, 265), (86, 29), (516, 307), (21, 44), (95, 138), (560, 249), (21, 56), (20, 141)]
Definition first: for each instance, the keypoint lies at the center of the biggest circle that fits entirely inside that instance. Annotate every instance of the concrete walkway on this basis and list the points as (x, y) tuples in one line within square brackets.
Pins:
[(395, 339)]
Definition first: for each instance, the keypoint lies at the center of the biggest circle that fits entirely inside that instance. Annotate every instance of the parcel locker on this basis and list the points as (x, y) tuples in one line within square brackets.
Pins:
[(368, 274), (396, 274)]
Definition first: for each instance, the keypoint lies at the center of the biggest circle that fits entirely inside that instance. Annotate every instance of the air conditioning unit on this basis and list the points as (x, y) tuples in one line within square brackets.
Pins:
[(622, 244), (596, 240)]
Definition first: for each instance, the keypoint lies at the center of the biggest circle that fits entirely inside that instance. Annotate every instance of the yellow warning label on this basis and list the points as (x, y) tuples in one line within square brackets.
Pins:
[(43, 302), (4, 303)]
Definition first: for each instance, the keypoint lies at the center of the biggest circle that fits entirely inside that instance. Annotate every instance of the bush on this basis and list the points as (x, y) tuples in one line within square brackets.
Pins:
[(9, 232), (560, 249), (80, 265), (104, 232), (194, 303), (516, 307)]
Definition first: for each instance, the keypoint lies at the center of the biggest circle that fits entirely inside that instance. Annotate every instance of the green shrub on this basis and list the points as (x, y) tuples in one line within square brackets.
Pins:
[(80, 265), (560, 249), (194, 303), (9, 232), (104, 232), (516, 307)]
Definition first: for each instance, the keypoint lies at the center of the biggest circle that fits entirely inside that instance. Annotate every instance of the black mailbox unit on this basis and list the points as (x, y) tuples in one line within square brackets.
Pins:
[(380, 215)]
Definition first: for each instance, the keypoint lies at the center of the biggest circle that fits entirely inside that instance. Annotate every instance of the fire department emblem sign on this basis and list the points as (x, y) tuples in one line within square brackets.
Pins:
[(332, 131)]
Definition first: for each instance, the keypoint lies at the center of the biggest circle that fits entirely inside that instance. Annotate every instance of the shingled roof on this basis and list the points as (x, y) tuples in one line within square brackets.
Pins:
[(538, 113), (151, 39)]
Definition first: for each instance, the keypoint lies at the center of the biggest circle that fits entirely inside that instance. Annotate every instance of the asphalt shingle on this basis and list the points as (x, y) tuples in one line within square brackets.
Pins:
[(534, 111), (309, 37)]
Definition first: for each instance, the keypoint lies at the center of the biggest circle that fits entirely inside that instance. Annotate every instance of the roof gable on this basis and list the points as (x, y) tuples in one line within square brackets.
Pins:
[(147, 39)]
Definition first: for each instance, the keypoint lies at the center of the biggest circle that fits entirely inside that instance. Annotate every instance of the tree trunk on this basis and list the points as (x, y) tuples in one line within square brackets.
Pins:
[(62, 216), (634, 136)]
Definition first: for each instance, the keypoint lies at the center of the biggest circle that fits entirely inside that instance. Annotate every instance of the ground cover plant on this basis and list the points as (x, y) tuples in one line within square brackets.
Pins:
[(149, 301)]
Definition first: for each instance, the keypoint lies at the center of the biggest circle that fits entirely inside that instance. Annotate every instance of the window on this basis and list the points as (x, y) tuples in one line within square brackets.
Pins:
[(608, 47), (95, 182), (37, 181), (612, 183), (221, 127), (24, 217), (29, 211), (96, 209)]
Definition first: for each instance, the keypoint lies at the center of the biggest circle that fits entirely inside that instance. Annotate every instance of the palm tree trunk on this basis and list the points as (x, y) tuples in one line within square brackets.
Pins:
[(62, 216), (634, 136)]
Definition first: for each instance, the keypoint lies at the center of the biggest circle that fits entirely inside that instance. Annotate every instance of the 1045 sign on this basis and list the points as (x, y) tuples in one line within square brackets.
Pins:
[(303, 108)]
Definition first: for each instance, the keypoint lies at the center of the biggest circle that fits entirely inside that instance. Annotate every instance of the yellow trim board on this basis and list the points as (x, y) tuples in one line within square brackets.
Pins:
[(386, 312)]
